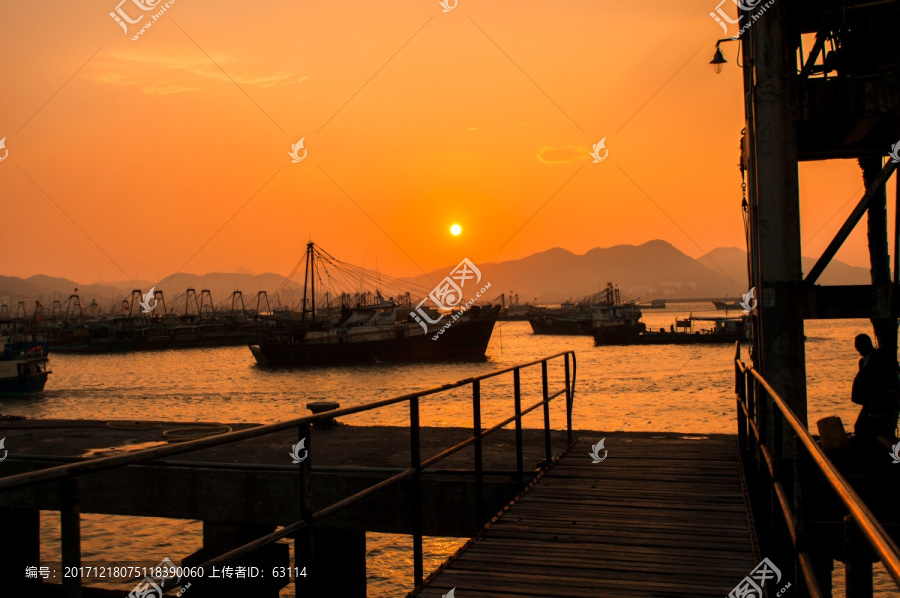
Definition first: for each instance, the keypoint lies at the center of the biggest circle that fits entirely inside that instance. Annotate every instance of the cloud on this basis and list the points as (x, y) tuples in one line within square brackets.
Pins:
[(569, 153), (167, 90), (144, 69)]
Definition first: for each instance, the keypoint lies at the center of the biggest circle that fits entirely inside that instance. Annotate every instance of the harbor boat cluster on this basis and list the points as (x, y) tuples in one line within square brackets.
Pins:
[(612, 321), (69, 328), (329, 312)]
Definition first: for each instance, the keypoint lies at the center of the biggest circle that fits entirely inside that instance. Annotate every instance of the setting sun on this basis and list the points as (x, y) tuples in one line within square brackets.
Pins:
[(455, 230)]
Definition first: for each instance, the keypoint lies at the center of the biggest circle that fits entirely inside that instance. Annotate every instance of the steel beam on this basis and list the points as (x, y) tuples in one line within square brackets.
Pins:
[(851, 222)]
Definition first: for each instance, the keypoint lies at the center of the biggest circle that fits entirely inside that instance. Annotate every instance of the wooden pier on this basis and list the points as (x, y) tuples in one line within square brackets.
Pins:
[(662, 515), (656, 515)]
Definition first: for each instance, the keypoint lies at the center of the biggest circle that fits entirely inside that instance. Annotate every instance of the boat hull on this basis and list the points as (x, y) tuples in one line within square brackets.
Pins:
[(561, 325), (155, 343), (22, 374), (28, 384), (464, 340), (668, 338)]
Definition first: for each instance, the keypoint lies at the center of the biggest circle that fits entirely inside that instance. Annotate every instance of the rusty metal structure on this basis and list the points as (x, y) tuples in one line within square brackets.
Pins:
[(821, 82), (837, 99)]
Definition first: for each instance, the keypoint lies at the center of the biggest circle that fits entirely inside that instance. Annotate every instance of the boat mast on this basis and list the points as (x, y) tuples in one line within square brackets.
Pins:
[(312, 282), (310, 285)]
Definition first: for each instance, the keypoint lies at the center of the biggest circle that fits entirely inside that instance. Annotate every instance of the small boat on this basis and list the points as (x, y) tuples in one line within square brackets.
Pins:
[(724, 330), (654, 304), (726, 305), (357, 327), (22, 371)]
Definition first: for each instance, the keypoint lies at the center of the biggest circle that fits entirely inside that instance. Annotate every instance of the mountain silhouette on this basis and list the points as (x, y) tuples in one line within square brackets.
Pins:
[(655, 269)]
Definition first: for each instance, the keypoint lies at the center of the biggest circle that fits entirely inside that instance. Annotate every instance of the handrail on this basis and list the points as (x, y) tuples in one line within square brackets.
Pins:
[(149, 454), (873, 532), (321, 514), (67, 473)]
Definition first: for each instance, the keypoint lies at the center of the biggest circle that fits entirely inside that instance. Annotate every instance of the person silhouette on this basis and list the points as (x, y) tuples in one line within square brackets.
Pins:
[(877, 388)]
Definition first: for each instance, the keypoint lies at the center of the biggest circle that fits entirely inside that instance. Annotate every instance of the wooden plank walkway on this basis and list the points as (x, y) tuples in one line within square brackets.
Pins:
[(661, 517)]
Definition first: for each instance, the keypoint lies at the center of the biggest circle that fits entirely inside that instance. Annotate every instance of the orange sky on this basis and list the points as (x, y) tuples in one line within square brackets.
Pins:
[(151, 148)]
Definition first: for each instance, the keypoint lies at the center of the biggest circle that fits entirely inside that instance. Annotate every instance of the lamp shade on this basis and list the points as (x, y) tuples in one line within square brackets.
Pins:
[(718, 60)]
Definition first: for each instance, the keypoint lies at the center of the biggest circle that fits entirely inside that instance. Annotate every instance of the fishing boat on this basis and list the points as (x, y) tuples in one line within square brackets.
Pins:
[(334, 326), (512, 309), (22, 371), (613, 319), (568, 318), (693, 330), (604, 310)]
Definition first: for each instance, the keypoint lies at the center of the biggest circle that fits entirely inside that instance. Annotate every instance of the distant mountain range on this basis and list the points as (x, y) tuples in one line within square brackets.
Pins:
[(221, 285), (655, 269)]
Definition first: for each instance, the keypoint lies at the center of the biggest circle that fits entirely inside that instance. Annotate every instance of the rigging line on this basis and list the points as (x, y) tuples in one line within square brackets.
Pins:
[(347, 195), (849, 199), (705, 253)]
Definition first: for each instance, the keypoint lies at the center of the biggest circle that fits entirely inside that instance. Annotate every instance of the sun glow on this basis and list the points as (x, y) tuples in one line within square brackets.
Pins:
[(455, 230)]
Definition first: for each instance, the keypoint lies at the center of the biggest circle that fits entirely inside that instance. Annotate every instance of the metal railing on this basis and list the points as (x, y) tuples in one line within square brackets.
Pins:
[(67, 475), (780, 475)]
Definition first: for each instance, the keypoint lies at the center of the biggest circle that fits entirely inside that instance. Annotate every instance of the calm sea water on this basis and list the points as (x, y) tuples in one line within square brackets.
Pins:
[(661, 388)]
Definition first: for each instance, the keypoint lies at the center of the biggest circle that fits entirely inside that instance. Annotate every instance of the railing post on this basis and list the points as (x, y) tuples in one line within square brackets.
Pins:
[(752, 454), (546, 389), (70, 532), (795, 569), (740, 392), (303, 542), (742, 428), (751, 396), (778, 539), (858, 561), (764, 515), (517, 398), (479, 464), (415, 451), (808, 538), (568, 404)]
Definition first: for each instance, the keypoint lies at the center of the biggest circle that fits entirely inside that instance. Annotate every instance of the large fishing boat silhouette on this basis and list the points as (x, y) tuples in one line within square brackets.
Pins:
[(340, 322)]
